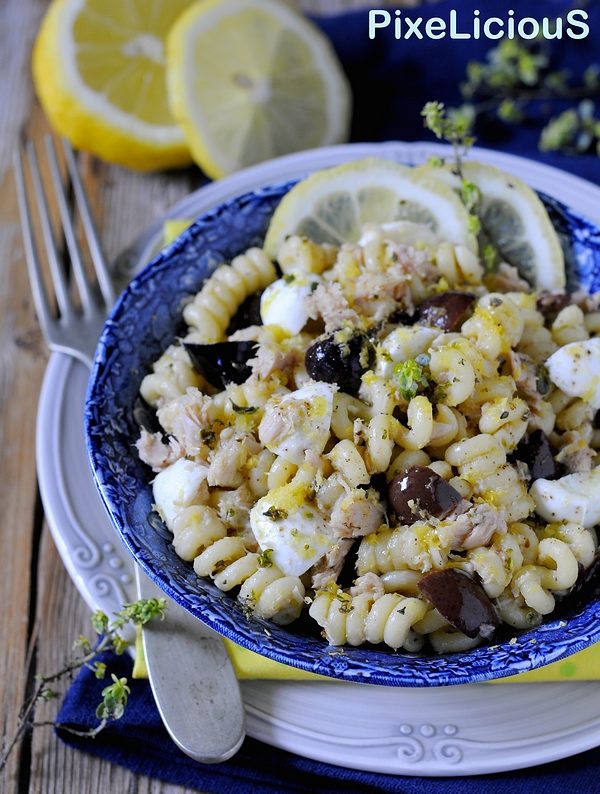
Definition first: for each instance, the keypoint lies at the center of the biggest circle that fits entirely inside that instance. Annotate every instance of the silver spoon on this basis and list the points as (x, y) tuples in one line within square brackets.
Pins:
[(193, 681)]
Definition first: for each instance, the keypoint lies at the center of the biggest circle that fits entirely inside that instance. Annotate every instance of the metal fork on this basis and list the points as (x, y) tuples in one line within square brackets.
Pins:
[(192, 678), (70, 331)]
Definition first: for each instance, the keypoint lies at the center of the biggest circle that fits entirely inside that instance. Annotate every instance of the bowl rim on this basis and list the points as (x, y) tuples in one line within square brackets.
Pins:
[(477, 657)]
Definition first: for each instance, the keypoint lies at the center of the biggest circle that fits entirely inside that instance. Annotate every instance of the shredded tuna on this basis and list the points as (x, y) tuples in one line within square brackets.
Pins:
[(251, 334), (369, 583), (328, 568), (189, 419), (233, 508), (270, 358), (226, 464), (575, 455), (524, 371), (356, 513), (157, 453), (587, 303), (474, 528), (506, 279), (328, 302), (276, 423)]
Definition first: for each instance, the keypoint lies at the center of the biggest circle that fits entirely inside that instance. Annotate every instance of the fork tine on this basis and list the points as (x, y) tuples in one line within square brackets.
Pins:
[(40, 299), (93, 239), (83, 285), (56, 270)]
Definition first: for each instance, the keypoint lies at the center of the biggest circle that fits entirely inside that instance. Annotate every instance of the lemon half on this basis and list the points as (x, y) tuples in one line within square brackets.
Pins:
[(333, 205), (514, 220), (252, 79), (99, 72)]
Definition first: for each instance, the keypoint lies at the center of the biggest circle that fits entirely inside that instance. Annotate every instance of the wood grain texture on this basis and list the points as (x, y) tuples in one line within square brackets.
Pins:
[(41, 611)]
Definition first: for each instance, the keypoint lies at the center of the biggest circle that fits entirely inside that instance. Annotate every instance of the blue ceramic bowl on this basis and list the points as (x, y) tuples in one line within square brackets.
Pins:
[(141, 326)]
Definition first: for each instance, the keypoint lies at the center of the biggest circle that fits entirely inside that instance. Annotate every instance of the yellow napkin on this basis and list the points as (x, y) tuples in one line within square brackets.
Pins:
[(583, 666)]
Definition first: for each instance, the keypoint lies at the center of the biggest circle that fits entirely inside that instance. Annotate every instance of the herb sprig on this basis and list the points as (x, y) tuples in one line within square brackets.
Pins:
[(86, 653), (516, 81)]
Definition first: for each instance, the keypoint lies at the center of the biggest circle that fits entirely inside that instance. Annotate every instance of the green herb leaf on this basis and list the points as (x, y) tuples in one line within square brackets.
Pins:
[(264, 559), (276, 513), (240, 409), (410, 376)]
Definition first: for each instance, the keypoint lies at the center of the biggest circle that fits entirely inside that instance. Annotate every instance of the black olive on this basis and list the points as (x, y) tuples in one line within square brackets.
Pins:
[(585, 590), (247, 314), (222, 362), (463, 602), (446, 311), (402, 317), (536, 452), (145, 416), (421, 489), (551, 303), (335, 359)]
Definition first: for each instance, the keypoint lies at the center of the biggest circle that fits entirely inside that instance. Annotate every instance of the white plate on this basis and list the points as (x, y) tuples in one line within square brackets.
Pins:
[(462, 730)]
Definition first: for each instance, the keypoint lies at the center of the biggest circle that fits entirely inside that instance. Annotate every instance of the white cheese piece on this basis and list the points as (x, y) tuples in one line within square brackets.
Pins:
[(178, 486), (283, 302), (575, 497), (575, 368), (292, 528), (298, 421)]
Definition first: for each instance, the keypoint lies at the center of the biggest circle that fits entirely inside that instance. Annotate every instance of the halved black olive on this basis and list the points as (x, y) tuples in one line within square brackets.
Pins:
[(341, 358), (462, 601), (247, 314), (536, 452), (421, 489), (145, 416), (222, 362), (585, 590), (551, 303), (446, 311)]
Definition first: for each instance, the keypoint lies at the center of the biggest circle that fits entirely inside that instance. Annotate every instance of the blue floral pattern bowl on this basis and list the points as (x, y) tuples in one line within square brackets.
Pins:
[(143, 323)]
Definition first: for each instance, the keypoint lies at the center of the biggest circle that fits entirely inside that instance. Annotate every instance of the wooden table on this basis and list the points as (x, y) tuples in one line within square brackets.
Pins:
[(41, 610)]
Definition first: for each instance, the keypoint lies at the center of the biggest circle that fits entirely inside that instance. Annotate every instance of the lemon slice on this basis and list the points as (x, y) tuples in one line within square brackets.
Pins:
[(333, 205), (252, 79), (514, 220), (99, 71)]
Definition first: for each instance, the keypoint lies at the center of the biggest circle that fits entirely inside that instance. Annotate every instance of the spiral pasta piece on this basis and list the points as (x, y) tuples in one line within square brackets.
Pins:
[(417, 547), (264, 589), (354, 620), (481, 461), (225, 290), (172, 374)]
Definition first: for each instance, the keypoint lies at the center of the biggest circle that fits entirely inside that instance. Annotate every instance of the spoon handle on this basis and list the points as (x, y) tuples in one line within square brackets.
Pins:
[(193, 681)]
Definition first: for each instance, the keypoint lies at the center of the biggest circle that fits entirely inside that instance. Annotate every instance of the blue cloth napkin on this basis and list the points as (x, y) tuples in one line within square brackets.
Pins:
[(139, 742), (391, 80)]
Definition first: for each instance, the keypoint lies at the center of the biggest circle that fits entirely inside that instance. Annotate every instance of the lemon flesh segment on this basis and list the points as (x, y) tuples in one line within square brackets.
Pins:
[(333, 205), (250, 80), (514, 220), (99, 72)]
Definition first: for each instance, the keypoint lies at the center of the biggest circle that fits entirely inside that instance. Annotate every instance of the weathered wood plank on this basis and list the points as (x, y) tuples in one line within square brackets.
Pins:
[(22, 362), (55, 768)]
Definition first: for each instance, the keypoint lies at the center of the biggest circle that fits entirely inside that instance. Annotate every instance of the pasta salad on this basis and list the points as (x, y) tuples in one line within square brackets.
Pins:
[(382, 435)]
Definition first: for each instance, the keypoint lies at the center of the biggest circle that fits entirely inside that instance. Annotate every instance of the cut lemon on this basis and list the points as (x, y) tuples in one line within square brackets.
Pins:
[(333, 205), (514, 221), (99, 71), (252, 79)]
